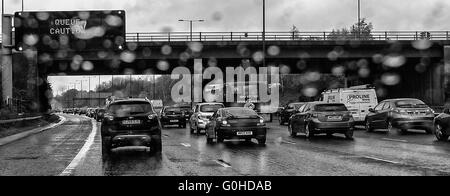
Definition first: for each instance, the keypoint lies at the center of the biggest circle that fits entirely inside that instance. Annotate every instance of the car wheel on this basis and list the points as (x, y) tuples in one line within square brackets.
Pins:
[(292, 133), (368, 127), (281, 120), (440, 135), (349, 134), (390, 127), (262, 141), (308, 132), (219, 139), (106, 148), (156, 145)]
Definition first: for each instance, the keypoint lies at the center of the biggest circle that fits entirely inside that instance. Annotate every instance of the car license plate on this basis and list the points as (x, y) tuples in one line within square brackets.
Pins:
[(244, 133), (174, 121), (131, 122), (335, 118)]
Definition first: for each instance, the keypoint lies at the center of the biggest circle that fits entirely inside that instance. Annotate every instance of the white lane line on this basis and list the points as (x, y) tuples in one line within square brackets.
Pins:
[(82, 154), (382, 160), (395, 140), (289, 142), (223, 163), (186, 145)]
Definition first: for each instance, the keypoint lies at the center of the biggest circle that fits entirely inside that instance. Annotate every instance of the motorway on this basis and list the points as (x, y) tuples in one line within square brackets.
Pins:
[(74, 149)]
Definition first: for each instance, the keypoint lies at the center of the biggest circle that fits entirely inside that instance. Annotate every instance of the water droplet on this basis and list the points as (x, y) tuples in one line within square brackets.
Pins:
[(390, 79)]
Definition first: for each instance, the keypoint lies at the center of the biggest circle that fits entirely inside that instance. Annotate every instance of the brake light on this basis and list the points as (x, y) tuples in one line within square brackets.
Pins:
[(225, 123), (152, 116), (109, 117), (401, 111)]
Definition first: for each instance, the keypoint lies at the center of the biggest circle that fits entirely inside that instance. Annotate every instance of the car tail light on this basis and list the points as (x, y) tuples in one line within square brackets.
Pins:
[(152, 116), (109, 117), (225, 123), (401, 111)]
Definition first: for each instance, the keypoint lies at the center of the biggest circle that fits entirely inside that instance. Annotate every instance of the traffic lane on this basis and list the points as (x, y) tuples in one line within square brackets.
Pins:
[(46, 153), (416, 152), (282, 158), (176, 160)]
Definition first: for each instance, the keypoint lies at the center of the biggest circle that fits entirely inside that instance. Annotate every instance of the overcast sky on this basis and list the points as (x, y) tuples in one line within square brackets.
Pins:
[(245, 15)]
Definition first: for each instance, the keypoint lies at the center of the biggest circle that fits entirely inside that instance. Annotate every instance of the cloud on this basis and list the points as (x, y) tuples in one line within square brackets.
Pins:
[(246, 15)]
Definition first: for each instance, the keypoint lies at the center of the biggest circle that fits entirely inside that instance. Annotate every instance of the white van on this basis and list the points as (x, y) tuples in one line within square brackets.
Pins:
[(358, 99)]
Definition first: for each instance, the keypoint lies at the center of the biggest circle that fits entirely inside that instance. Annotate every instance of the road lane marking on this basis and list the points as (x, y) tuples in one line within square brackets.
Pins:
[(289, 142), (83, 152), (395, 140), (223, 163), (186, 145), (382, 160)]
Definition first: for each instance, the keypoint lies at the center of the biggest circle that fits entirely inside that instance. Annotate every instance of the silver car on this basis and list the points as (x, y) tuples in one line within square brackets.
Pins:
[(201, 116)]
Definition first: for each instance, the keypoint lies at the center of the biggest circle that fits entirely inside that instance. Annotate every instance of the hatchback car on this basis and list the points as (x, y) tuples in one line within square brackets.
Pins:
[(442, 125), (288, 111), (173, 116), (130, 122), (322, 118), (202, 113), (402, 114), (236, 123)]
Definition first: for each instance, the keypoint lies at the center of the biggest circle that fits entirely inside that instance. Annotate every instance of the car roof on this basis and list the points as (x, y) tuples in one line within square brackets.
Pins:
[(210, 104), (402, 99), (130, 100), (236, 108)]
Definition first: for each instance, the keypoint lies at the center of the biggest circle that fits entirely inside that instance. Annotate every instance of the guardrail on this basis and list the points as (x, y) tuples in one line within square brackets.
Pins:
[(285, 36), (19, 120)]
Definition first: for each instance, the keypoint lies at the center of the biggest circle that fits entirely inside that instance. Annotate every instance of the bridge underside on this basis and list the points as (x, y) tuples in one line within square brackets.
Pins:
[(419, 73)]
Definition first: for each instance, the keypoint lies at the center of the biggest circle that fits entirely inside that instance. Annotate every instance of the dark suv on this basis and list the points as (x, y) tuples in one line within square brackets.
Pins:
[(173, 116), (130, 122)]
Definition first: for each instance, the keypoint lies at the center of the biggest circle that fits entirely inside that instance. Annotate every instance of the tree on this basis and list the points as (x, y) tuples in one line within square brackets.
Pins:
[(359, 31)]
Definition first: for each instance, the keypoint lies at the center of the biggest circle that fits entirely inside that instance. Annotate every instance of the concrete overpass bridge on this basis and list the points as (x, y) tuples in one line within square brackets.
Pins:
[(420, 58)]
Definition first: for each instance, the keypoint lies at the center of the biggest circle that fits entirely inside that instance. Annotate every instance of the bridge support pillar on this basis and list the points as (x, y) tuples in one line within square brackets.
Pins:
[(7, 65), (447, 73)]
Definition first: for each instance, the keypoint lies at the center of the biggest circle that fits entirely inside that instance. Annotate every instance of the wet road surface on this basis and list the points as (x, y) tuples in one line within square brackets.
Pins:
[(379, 153)]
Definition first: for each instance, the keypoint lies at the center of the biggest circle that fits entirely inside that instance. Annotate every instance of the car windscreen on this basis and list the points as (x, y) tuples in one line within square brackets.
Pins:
[(210, 108), (240, 113), (411, 104), (130, 108), (330, 108)]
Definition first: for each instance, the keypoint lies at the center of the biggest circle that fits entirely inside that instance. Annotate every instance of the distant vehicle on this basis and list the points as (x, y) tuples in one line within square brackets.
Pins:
[(286, 113), (403, 114), (173, 116), (187, 111), (202, 114), (157, 105), (322, 118), (99, 114), (130, 122), (236, 123), (442, 125), (358, 100)]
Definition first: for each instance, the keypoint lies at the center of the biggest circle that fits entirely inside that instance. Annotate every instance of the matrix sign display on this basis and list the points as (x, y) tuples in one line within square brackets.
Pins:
[(73, 31)]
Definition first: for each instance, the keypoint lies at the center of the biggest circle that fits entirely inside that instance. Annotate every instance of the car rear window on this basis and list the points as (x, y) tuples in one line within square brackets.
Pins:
[(330, 108), (411, 104), (130, 108), (240, 113), (210, 108), (173, 110)]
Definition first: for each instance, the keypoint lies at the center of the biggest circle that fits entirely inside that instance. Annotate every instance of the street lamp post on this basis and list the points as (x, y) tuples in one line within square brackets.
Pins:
[(191, 25), (359, 19), (264, 33)]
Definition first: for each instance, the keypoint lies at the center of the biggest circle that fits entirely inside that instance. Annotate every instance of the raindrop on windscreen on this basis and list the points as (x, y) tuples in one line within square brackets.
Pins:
[(258, 57), (114, 21), (195, 47), (87, 66), (310, 92), (390, 79), (31, 39), (128, 57), (338, 71), (166, 50), (217, 16), (422, 44), (163, 65), (274, 51), (394, 61)]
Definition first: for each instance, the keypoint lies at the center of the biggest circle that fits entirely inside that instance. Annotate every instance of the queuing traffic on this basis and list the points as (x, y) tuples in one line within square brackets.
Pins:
[(136, 122)]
